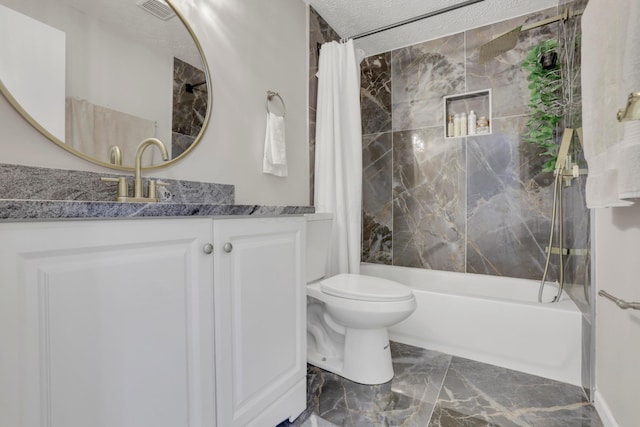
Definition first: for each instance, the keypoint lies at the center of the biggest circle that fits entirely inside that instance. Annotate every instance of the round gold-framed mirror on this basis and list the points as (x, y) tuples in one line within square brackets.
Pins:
[(96, 77)]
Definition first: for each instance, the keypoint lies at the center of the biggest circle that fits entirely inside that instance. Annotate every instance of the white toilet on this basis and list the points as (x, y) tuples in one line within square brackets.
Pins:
[(348, 314)]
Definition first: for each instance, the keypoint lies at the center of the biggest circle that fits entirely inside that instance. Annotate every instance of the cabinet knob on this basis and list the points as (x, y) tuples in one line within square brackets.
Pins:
[(208, 248), (228, 247)]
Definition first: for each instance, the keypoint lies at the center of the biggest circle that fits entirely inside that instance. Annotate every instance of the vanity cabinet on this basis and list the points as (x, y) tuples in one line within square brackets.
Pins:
[(122, 323), (260, 315)]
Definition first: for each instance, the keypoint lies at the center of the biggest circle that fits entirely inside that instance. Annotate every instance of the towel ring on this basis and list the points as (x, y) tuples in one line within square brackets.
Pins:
[(270, 95)]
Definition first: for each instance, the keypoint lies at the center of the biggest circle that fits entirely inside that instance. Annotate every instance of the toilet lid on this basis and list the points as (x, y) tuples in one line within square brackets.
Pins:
[(365, 288)]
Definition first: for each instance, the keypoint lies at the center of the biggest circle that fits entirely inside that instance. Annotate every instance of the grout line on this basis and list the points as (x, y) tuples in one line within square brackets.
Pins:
[(440, 387)]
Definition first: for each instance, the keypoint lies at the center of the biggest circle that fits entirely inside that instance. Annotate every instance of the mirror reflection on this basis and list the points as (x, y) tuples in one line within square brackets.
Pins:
[(99, 76)]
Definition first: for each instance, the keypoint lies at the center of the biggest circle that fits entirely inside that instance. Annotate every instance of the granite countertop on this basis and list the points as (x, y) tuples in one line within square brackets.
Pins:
[(34, 193), (16, 210)]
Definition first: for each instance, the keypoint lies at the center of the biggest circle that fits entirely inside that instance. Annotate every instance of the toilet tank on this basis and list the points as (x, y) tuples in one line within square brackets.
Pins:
[(318, 238)]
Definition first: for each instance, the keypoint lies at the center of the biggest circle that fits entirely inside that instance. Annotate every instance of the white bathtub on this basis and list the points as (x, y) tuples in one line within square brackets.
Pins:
[(490, 319)]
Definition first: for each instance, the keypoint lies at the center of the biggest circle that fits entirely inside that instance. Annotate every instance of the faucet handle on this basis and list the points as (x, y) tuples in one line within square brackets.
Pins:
[(123, 186), (153, 192)]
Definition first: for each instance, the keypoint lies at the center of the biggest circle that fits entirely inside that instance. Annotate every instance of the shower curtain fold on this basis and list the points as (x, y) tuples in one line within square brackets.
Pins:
[(338, 160)]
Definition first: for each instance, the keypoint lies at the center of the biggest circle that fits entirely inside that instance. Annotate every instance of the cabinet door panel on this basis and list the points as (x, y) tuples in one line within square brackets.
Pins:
[(113, 322), (260, 315)]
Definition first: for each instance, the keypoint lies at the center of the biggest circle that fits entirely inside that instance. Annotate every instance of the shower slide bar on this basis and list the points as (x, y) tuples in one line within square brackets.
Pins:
[(619, 302)]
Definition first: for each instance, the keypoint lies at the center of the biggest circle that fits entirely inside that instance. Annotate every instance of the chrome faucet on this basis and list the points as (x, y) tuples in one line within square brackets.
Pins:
[(137, 178)]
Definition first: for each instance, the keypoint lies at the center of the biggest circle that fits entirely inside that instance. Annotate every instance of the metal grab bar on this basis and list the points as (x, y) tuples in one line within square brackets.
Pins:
[(619, 302)]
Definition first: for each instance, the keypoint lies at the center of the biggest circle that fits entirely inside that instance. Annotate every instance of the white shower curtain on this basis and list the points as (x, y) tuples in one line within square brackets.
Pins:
[(338, 165)]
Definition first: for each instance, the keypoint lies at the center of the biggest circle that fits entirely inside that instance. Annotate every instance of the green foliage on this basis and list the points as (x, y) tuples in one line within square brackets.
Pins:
[(545, 102)]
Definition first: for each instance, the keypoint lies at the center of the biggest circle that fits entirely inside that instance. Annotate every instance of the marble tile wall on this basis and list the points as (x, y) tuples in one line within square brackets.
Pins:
[(189, 107), (477, 204)]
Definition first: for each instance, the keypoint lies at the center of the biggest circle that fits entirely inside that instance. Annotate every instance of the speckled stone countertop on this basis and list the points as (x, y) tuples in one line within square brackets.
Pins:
[(21, 210), (33, 193)]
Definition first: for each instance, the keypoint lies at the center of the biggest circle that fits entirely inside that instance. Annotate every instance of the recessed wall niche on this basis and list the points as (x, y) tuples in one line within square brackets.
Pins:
[(478, 102)]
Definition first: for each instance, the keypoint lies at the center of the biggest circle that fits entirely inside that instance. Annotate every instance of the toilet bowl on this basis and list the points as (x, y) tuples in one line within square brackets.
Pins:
[(348, 314)]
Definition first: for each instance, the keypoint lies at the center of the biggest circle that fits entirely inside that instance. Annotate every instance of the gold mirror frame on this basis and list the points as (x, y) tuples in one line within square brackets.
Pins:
[(16, 105)]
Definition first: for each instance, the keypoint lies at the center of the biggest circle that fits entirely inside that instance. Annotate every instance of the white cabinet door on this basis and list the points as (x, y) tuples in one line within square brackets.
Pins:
[(260, 313), (106, 323)]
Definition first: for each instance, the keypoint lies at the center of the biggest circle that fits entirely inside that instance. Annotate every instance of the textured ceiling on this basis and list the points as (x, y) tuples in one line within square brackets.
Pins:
[(352, 17), (125, 17)]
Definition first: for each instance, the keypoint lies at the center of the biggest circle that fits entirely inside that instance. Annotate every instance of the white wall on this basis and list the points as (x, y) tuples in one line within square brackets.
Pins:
[(100, 60), (33, 67), (251, 46), (617, 265)]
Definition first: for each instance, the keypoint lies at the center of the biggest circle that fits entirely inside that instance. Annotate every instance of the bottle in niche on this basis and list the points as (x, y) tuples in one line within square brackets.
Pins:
[(472, 123), (450, 126), (463, 124), (456, 125), (483, 125)]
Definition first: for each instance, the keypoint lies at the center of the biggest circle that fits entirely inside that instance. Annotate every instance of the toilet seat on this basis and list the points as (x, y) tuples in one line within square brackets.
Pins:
[(365, 288)]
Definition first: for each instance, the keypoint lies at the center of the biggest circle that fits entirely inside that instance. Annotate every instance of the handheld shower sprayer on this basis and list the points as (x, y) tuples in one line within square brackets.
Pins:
[(561, 161), (557, 215)]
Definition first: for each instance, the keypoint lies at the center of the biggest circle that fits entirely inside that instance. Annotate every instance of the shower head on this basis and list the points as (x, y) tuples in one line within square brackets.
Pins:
[(499, 45), (190, 88), (507, 41)]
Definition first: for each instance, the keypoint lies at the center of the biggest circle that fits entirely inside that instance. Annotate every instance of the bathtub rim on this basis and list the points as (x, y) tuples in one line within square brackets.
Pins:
[(565, 303)]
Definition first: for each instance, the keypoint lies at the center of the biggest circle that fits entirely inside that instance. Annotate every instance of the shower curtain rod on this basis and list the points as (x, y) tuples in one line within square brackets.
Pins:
[(418, 18)]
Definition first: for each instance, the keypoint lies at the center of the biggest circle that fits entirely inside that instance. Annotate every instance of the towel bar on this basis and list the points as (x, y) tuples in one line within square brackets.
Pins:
[(270, 95), (619, 302)]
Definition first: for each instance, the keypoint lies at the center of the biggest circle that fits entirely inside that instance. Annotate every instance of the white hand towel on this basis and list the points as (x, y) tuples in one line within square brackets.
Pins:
[(612, 149), (275, 149), (629, 162)]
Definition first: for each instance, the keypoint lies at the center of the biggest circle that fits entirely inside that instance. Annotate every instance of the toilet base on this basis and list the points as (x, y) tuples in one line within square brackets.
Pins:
[(367, 360)]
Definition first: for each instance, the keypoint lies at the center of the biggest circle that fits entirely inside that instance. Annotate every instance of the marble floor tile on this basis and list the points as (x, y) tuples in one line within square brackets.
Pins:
[(407, 400), (438, 390), (477, 394)]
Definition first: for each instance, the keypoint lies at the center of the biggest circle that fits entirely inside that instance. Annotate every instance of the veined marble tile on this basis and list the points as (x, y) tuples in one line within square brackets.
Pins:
[(476, 394), (504, 74), (188, 107), (377, 241), (509, 204), (35, 183), (421, 75), (375, 93), (407, 400), (429, 202), (377, 198)]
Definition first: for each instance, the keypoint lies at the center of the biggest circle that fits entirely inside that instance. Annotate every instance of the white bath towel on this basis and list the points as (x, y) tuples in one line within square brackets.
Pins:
[(609, 74), (629, 161), (275, 149)]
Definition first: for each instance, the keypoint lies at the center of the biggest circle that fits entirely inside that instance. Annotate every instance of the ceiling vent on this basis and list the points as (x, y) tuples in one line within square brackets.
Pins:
[(157, 8)]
